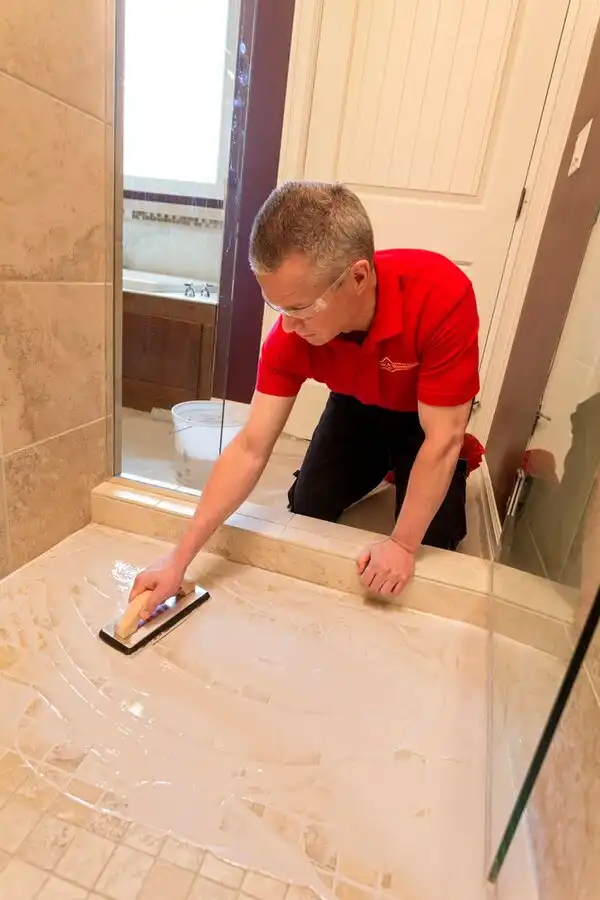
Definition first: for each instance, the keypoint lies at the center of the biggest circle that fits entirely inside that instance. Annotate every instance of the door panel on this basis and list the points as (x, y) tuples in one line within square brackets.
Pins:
[(429, 110)]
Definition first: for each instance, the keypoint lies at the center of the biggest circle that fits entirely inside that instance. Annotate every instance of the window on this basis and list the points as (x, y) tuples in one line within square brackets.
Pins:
[(178, 96)]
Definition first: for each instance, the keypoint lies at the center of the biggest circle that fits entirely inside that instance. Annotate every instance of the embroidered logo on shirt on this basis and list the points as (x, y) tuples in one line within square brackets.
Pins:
[(389, 366)]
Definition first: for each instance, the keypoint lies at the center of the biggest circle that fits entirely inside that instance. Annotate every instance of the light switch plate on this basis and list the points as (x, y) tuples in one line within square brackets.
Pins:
[(580, 145)]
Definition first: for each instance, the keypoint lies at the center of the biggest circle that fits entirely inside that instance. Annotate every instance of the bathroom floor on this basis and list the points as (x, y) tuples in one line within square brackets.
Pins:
[(149, 453), (286, 742)]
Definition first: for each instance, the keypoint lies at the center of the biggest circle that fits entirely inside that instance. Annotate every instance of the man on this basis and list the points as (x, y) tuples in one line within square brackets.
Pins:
[(393, 334)]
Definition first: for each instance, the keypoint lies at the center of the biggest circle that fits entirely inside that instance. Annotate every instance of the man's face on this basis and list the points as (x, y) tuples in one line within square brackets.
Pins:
[(318, 310)]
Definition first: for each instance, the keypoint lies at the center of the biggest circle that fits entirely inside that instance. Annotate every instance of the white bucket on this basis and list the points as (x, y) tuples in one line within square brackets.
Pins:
[(197, 431)]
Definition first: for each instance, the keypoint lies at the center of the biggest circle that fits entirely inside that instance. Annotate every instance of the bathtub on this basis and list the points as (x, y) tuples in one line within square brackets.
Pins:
[(137, 282)]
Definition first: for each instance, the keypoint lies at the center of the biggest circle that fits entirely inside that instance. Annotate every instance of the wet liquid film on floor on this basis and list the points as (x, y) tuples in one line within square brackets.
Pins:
[(286, 741)]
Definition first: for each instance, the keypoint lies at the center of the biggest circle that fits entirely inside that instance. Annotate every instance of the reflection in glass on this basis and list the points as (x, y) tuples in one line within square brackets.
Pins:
[(548, 734), (180, 63), (545, 580)]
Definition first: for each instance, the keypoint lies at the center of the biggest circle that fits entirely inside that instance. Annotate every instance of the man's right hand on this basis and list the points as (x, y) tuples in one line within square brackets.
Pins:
[(163, 578), (234, 476)]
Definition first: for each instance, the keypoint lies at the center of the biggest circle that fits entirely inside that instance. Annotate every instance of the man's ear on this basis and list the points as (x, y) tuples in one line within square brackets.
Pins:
[(360, 272)]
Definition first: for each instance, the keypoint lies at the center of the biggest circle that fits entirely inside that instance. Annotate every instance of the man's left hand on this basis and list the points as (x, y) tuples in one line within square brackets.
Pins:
[(386, 567)]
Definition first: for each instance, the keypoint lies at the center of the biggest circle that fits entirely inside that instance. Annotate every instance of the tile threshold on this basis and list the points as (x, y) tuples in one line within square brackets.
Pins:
[(450, 585)]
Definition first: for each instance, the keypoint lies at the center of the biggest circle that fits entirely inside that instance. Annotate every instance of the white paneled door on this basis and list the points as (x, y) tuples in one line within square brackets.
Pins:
[(429, 110)]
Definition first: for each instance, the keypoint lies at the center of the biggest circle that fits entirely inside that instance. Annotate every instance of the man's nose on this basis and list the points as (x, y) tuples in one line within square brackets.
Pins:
[(289, 324)]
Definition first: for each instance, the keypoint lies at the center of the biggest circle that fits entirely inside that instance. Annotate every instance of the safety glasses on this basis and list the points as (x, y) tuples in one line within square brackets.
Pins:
[(307, 312)]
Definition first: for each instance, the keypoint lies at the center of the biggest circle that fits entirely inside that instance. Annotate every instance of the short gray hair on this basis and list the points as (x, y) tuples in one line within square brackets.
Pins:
[(327, 223)]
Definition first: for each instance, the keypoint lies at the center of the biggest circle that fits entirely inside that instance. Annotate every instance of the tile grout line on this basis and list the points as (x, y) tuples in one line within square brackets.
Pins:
[(54, 437), (54, 97)]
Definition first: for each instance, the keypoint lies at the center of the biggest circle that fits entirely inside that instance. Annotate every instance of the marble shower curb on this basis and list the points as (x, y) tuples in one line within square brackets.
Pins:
[(449, 585)]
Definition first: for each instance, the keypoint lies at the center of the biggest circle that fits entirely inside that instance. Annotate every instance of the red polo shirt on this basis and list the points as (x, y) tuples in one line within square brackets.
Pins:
[(421, 346)]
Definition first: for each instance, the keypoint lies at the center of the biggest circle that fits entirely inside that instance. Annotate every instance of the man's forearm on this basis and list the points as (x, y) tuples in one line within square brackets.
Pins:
[(428, 485), (232, 479)]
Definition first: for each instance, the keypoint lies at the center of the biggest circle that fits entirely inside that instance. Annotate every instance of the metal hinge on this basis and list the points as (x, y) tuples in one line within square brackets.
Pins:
[(521, 204), (540, 417), (517, 492)]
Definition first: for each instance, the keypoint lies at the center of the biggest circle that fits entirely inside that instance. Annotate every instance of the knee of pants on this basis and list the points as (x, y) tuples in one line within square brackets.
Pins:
[(449, 526), (447, 531), (445, 539), (305, 501)]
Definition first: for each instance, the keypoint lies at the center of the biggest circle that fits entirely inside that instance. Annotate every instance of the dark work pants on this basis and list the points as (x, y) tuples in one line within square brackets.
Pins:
[(353, 448)]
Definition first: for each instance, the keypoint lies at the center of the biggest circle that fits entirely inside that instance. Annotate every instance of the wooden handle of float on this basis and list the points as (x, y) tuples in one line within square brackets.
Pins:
[(130, 618)]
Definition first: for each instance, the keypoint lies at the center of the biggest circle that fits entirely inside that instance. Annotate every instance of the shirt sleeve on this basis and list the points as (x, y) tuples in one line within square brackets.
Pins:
[(449, 371), (283, 364)]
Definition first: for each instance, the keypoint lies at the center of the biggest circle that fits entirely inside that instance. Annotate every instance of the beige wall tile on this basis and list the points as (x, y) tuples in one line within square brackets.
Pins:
[(48, 489), (56, 228), (52, 171), (565, 807), (57, 47), (52, 360)]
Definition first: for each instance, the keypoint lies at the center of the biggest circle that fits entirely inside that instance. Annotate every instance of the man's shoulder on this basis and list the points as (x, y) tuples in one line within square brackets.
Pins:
[(422, 268)]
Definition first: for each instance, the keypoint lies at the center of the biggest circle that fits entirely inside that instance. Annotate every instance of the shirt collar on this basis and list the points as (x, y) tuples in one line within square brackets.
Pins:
[(387, 321)]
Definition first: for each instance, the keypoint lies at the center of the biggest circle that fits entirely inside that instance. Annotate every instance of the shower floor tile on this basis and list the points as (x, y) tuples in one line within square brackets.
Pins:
[(286, 742)]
